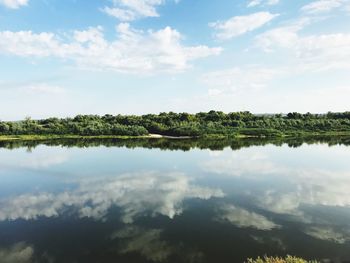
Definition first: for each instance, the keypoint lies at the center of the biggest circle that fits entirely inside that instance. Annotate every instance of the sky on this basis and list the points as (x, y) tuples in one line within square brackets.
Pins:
[(67, 57)]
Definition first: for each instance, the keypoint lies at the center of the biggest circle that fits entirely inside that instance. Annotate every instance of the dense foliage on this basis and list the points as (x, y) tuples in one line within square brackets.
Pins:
[(182, 124)]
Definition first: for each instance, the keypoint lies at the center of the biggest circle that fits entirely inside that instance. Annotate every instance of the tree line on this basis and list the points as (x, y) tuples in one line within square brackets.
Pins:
[(182, 124)]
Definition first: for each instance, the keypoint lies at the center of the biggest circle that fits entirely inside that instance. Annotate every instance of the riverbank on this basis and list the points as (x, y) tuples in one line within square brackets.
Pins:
[(55, 137), (159, 136), (214, 124)]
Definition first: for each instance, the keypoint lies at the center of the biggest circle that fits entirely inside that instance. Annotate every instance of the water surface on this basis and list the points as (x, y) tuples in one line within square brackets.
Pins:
[(174, 201)]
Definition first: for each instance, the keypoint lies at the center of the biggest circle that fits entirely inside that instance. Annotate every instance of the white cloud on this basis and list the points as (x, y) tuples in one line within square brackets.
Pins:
[(253, 3), (14, 4), (135, 194), (129, 10), (313, 52), (323, 6), (273, 2), (245, 219), (240, 25), (27, 43), (18, 253), (142, 7), (285, 37), (133, 50), (290, 54), (324, 52), (121, 14)]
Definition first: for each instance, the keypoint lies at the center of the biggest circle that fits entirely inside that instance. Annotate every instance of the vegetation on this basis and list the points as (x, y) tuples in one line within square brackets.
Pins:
[(288, 259), (213, 123)]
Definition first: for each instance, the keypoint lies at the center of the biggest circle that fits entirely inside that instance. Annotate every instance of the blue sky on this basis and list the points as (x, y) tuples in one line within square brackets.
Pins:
[(68, 57)]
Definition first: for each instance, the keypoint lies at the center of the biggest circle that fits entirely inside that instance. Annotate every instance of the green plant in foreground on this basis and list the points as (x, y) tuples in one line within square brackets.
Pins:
[(288, 259)]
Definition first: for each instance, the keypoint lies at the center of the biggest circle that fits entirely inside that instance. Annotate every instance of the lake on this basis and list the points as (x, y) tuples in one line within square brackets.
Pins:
[(174, 200)]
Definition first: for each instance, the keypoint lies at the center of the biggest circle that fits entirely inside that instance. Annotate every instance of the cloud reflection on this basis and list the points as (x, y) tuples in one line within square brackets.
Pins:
[(329, 233), (240, 163), (135, 194), (38, 158), (307, 187), (146, 242), (149, 243), (18, 253), (245, 219), (282, 181)]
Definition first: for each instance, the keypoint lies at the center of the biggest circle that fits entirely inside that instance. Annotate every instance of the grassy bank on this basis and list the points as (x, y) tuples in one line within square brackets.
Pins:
[(238, 135), (34, 137), (55, 137)]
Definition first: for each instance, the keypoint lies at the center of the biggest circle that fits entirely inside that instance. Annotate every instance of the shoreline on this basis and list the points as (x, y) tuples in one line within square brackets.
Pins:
[(57, 137), (159, 136)]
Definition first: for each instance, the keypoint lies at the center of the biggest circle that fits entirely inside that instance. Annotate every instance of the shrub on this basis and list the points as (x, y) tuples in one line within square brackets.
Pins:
[(288, 259)]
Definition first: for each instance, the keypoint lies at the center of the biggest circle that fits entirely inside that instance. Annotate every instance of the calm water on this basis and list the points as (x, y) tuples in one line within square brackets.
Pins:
[(173, 201)]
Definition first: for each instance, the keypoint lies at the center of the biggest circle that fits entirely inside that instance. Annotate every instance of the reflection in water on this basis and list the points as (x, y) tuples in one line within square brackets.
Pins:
[(179, 144), (276, 242), (243, 218), (241, 163), (110, 204), (329, 233), (296, 185), (40, 158), (146, 242), (136, 194), (281, 188), (18, 253), (43, 160), (308, 188), (149, 244)]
